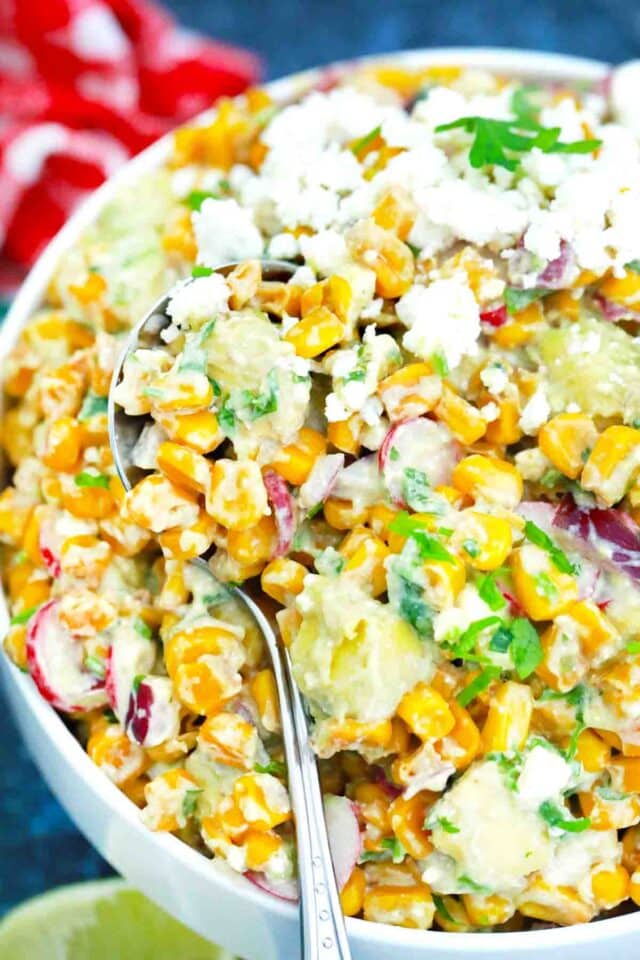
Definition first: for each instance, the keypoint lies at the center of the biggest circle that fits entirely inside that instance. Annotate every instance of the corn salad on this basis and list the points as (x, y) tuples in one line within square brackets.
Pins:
[(421, 453)]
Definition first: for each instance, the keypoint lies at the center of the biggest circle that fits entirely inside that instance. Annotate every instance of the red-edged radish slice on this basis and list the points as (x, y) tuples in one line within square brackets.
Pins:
[(361, 482), (153, 715), (419, 444), (55, 660), (321, 481), (49, 543), (614, 311), (609, 537), (559, 273), (130, 655), (282, 889), (345, 839), (283, 510)]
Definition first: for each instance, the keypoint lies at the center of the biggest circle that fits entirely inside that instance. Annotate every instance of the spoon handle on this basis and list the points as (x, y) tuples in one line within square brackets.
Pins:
[(323, 933)]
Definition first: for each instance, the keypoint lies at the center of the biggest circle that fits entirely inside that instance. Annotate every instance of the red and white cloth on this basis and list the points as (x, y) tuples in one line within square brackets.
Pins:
[(84, 84)]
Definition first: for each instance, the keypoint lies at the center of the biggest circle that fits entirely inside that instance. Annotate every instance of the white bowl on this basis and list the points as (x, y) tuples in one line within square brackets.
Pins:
[(206, 895)]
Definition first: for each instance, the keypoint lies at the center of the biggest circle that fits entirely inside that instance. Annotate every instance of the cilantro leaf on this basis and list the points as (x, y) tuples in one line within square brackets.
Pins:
[(633, 265), (560, 560), (521, 105), (412, 606), (194, 355), (84, 479), (275, 767), (560, 818), (415, 489), (490, 592), (200, 271), (526, 649), (95, 665), (92, 405), (516, 300), (467, 639), (142, 628), (441, 908), (406, 525), (190, 801), (395, 848), (633, 647), (484, 679), (23, 617), (501, 640), (227, 418), (196, 198), (439, 364), (447, 825)]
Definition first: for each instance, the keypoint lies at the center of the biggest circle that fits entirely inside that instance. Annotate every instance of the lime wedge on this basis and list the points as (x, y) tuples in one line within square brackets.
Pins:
[(105, 920)]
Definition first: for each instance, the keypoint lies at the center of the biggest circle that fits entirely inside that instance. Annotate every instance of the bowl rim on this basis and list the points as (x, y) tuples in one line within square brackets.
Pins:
[(514, 61)]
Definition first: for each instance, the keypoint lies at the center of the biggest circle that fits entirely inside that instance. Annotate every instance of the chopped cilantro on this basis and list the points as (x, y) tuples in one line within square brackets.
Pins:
[(412, 606), (537, 536), (471, 547), (447, 825), (414, 250), (501, 640), (365, 141), (559, 818), (314, 510), (633, 265), (330, 562), (395, 848), (85, 479), (516, 300), (393, 454), (196, 198), (431, 549), (521, 105), (467, 639), (439, 364), (545, 586), (200, 271), (141, 627), (551, 478), (484, 679), (95, 665), (490, 592), (190, 801), (526, 649), (441, 908), (92, 405), (471, 885), (194, 355), (416, 489), (109, 715), (498, 142), (406, 525), (23, 617), (633, 647), (227, 418), (260, 404), (509, 766), (275, 767)]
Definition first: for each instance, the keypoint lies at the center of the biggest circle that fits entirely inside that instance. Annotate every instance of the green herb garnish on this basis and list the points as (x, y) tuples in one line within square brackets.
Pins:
[(200, 271), (190, 802), (537, 536), (526, 649), (142, 628), (365, 141), (92, 405), (516, 300), (197, 197), (558, 817), (490, 592), (85, 479), (275, 767), (23, 617), (484, 679)]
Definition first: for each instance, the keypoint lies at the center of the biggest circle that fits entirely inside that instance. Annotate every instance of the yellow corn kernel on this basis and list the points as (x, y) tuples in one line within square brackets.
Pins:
[(243, 281), (295, 461), (334, 294), (373, 806), (411, 391), (426, 713), (89, 503), (610, 887), (32, 593), (352, 894), (188, 645), (348, 732), (15, 645), (282, 579), (509, 718), (445, 580), (631, 850), (462, 744), (316, 333), (380, 516), (542, 590), (607, 814), (125, 538), (505, 429), (289, 621), (383, 252), (367, 561), (484, 478), (612, 464), (566, 439), (343, 514), (179, 238), (265, 693), (61, 392), (262, 807), (112, 751), (483, 539), (592, 752), (564, 303), (622, 290), (171, 786), (344, 434), (488, 910), (455, 920), (157, 504), (562, 667), (407, 819), (173, 393), (62, 444), (15, 514), (85, 557), (185, 543), (396, 211), (229, 739), (183, 466), (236, 497), (254, 545), (92, 289), (626, 772), (553, 904), (201, 689), (199, 430), (591, 626), (260, 847), (402, 906), (463, 419)]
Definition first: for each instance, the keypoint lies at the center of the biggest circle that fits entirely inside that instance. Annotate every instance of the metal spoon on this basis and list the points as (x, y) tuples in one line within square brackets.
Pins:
[(322, 929)]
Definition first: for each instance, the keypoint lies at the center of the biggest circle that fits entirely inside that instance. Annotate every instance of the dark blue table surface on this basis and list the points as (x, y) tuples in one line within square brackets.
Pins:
[(39, 847)]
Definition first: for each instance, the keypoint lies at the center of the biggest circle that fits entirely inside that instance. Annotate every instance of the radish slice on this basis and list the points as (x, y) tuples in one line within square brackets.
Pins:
[(55, 661), (320, 482), (614, 311), (361, 482), (420, 444), (559, 273), (153, 716), (283, 511), (539, 512), (345, 839), (50, 543), (130, 655), (282, 889)]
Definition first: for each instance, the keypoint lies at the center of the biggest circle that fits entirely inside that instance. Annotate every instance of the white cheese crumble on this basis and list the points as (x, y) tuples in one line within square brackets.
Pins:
[(443, 317), (225, 232), (284, 246), (325, 252), (199, 299), (536, 412), (545, 774)]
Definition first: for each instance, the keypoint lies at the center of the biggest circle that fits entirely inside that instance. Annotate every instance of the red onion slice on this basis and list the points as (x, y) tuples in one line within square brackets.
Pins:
[(495, 317), (283, 510), (153, 716), (611, 534), (558, 273), (130, 655)]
